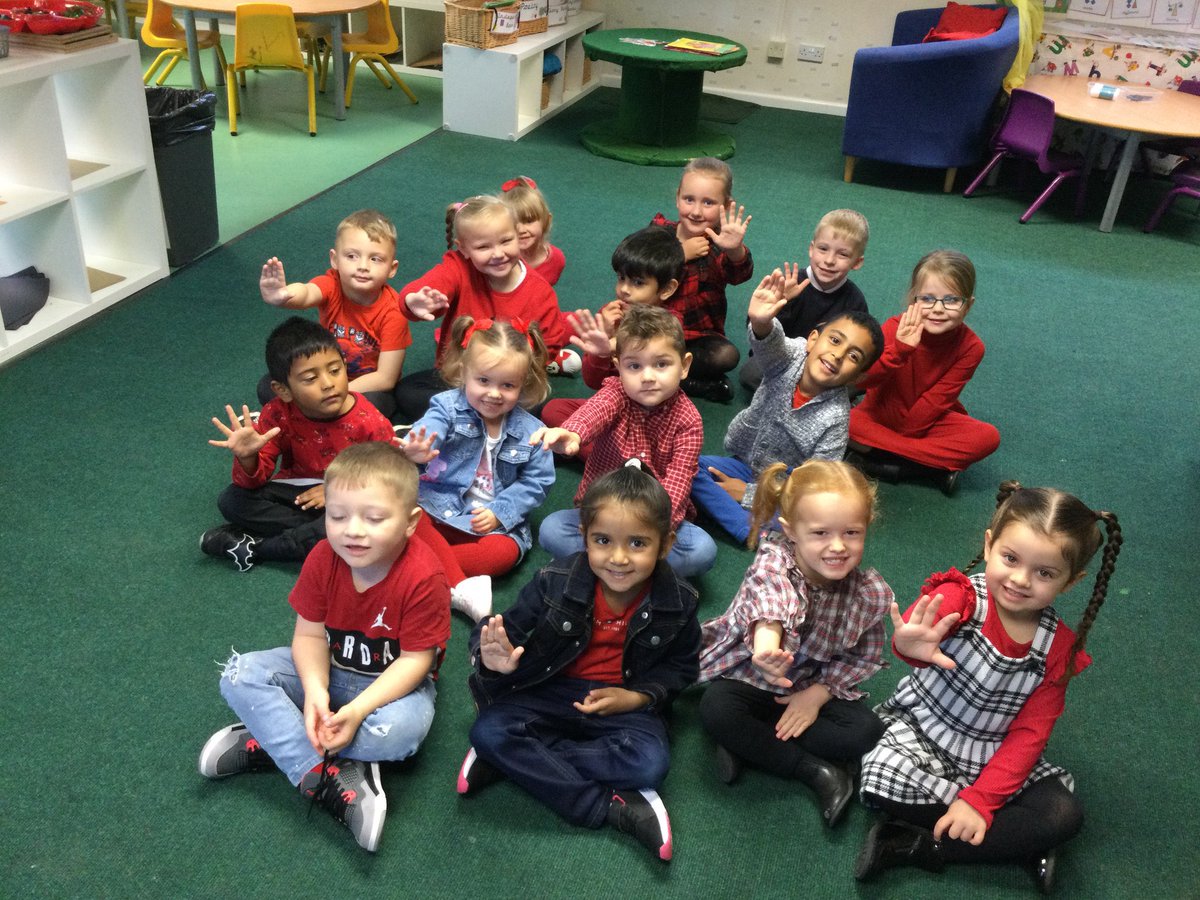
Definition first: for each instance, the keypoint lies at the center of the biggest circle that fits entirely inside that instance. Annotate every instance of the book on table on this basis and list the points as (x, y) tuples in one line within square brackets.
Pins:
[(708, 48)]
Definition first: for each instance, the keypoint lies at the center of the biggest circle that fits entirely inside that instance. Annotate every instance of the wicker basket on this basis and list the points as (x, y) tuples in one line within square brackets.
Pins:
[(535, 17), (470, 25)]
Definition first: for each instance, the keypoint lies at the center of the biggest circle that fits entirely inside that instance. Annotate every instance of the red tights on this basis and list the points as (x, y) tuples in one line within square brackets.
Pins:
[(464, 555)]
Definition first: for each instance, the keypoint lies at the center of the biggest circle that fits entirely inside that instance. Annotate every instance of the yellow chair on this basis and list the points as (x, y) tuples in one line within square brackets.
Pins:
[(371, 46), (317, 40), (265, 37), (159, 29)]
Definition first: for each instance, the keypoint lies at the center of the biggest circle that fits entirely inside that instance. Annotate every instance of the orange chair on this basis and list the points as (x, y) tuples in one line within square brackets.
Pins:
[(371, 46), (159, 29), (265, 37)]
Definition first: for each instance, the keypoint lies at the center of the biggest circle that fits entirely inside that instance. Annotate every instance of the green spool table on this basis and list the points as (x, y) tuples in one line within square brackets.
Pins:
[(658, 121)]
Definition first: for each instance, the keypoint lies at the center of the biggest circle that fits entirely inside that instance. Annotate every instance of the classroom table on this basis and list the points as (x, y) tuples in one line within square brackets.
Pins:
[(658, 119), (1161, 113)]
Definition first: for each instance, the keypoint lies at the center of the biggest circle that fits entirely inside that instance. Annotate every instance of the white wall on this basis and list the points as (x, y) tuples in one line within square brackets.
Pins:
[(841, 26)]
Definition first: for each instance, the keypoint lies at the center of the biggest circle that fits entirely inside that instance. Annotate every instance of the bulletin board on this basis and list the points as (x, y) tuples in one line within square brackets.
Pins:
[(1110, 17)]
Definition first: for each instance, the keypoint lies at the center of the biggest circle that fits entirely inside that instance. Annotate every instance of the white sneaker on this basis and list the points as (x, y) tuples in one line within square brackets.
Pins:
[(567, 362), (473, 596)]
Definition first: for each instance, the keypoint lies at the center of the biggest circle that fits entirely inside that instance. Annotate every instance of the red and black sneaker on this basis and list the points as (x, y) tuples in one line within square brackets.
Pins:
[(232, 750), (643, 815), (352, 792), (476, 773)]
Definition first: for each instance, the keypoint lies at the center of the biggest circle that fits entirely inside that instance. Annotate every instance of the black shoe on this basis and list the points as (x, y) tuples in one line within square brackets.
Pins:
[(1044, 872), (833, 786), (352, 791), (643, 815), (948, 482), (228, 541), (729, 767), (891, 843), (718, 390), (476, 773)]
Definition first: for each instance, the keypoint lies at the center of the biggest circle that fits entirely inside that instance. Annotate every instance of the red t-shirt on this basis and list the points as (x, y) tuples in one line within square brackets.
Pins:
[(601, 659), (363, 332), (551, 268), (408, 610)]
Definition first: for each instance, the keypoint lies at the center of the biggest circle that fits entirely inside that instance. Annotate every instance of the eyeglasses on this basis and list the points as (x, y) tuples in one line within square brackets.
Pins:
[(951, 302)]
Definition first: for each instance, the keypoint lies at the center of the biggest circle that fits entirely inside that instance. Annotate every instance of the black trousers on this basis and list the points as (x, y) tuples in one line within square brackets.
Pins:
[(712, 357), (285, 531), (1037, 820), (741, 718)]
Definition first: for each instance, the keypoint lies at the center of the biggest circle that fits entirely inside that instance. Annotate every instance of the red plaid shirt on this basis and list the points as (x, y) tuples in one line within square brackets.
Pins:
[(667, 439), (699, 303)]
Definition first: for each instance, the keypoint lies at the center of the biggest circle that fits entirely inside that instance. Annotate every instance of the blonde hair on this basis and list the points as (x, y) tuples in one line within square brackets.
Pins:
[(848, 224), (504, 340), (779, 492), (376, 225), (952, 267), (527, 203), (711, 167), (375, 464), (472, 210)]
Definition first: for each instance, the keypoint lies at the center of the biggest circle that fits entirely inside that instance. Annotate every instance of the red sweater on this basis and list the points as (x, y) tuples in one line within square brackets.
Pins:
[(470, 295)]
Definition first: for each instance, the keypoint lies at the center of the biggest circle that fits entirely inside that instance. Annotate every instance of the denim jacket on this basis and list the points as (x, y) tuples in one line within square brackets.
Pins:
[(522, 473), (552, 620)]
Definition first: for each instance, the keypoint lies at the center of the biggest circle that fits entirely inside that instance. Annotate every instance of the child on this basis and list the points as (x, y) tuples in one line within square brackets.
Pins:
[(959, 772), (804, 631), (573, 681), (482, 277), (837, 248), (641, 414), (799, 412), (533, 228), (356, 303), (356, 686), (712, 230), (278, 514), (481, 479), (911, 422), (649, 264)]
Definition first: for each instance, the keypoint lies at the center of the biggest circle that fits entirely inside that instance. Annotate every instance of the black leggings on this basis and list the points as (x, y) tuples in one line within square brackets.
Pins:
[(741, 718), (1040, 818), (712, 357)]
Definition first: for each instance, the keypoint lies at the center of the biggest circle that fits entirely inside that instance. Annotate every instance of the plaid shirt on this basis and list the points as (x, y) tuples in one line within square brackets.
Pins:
[(835, 634), (699, 303), (667, 439)]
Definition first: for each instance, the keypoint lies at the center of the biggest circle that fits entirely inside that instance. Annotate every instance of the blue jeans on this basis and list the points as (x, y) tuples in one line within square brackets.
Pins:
[(569, 760), (693, 554), (265, 692), (715, 500)]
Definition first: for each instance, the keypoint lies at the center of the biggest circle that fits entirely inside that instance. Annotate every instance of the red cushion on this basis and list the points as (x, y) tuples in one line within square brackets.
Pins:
[(960, 23)]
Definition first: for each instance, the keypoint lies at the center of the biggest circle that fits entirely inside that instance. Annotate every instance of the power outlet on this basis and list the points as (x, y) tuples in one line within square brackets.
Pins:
[(776, 50), (814, 53)]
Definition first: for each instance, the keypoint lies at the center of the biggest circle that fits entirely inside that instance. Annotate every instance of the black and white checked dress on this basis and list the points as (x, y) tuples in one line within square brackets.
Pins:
[(943, 725)]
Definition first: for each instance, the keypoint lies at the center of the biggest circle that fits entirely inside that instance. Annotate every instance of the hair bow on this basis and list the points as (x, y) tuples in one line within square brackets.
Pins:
[(519, 180), (477, 325)]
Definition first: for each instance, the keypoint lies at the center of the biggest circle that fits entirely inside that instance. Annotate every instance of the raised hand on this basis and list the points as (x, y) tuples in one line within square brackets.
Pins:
[(590, 334), (734, 487), (496, 652), (774, 666), (695, 247), (792, 283), (922, 635), (557, 439), (961, 822), (419, 446), (427, 303), (272, 284), (483, 520), (241, 438), (734, 223), (766, 302), (912, 325)]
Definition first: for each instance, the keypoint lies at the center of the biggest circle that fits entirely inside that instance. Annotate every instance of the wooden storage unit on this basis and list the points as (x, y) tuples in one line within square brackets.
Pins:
[(510, 106), (78, 192)]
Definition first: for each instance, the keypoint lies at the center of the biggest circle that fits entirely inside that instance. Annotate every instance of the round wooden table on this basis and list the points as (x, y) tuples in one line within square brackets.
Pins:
[(658, 120)]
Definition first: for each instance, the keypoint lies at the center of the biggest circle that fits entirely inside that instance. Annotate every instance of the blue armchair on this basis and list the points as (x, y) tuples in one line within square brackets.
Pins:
[(926, 104)]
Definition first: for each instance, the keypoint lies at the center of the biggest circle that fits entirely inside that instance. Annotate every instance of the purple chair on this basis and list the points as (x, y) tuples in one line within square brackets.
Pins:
[(1178, 146), (1187, 181), (1025, 134)]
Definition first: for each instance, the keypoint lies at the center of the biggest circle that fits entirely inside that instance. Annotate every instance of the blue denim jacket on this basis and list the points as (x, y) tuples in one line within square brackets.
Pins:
[(522, 474), (552, 619)]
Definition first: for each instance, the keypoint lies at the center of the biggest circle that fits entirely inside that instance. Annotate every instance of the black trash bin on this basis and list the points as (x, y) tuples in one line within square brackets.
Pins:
[(181, 127)]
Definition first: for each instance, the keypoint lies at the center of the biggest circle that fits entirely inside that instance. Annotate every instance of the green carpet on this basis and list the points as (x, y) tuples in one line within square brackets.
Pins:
[(116, 621)]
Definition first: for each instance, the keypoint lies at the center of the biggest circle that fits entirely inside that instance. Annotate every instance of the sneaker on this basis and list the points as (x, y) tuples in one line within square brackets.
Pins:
[(228, 540), (643, 815), (253, 417), (233, 750), (352, 791), (401, 432), (473, 596), (567, 362), (475, 774)]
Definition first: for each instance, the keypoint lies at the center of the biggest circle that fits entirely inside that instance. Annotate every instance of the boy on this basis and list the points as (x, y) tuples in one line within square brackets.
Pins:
[(604, 641), (357, 684), (355, 303), (801, 411), (837, 248), (640, 414), (278, 515)]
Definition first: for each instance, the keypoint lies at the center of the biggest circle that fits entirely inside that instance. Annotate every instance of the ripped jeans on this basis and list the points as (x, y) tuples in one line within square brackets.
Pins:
[(264, 690)]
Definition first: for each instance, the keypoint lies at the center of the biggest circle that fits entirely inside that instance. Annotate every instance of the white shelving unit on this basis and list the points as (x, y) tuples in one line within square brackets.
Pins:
[(498, 93), (78, 192), (421, 27)]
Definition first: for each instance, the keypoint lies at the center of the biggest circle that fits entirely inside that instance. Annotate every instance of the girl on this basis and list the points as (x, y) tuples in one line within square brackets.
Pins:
[(805, 629), (712, 230), (961, 760), (481, 479), (533, 227), (482, 276), (572, 682), (911, 421)]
